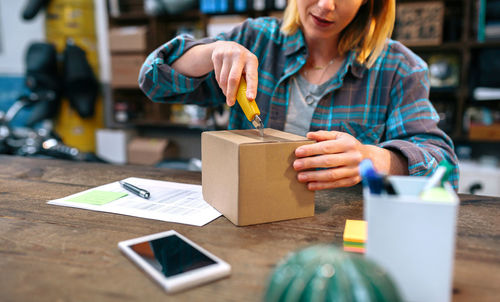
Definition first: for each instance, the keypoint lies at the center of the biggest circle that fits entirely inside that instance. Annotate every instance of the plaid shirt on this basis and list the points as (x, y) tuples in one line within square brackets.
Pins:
[(386, 105)]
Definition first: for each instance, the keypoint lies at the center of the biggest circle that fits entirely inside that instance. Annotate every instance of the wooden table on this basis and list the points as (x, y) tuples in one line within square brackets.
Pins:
[(52, 253)]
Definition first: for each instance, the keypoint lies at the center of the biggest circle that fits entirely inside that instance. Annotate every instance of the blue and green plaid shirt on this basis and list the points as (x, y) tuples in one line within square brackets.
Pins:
[(385, 105)]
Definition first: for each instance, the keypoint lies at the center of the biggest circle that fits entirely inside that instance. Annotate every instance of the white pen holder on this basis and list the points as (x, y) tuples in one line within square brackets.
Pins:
[(413, 239)]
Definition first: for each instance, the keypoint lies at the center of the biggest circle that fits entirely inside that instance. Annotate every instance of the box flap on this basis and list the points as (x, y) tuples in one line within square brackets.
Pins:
[(251, 136)]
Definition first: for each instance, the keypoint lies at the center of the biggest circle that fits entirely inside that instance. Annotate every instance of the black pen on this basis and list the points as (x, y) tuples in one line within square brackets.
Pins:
[(137, 191)]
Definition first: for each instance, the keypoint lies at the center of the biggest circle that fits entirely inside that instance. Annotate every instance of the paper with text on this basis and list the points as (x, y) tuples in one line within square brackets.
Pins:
[(169, 201)]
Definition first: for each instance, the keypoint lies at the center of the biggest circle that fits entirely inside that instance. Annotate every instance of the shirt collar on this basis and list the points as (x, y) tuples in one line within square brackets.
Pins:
[(295, 43)]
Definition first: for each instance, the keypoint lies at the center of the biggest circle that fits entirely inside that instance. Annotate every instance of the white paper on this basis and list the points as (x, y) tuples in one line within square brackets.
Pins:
[(169, 201)]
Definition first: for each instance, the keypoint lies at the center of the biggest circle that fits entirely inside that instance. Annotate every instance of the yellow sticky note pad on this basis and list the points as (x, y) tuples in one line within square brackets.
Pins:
[(355, 230), (97, 197)]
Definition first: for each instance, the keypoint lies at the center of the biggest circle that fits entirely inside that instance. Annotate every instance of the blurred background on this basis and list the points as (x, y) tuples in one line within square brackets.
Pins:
[(69, 69)]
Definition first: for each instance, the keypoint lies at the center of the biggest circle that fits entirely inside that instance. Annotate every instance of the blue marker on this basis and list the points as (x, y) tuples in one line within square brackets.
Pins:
[(376, 182), (371, 178)]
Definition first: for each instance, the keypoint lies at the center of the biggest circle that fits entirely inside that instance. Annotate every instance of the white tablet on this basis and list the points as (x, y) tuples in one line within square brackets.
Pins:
[(174, 261)]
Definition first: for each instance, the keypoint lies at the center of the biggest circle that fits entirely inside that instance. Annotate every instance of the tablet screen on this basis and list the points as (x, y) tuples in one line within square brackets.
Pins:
[(171, 255)]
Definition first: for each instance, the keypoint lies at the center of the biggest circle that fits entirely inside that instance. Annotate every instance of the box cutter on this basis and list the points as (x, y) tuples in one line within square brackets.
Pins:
[(249, 108)]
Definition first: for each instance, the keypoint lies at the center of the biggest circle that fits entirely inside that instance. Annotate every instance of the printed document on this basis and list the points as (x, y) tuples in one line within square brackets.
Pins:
[(169, 201)]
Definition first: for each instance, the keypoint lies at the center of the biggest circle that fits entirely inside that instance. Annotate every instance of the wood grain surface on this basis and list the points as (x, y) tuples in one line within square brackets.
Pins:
[(53, 253)]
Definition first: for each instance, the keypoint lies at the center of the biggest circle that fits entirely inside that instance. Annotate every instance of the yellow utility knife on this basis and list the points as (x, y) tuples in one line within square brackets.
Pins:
[(249, 108)]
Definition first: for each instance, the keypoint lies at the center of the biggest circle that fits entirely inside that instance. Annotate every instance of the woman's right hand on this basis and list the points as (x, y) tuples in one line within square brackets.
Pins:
[(231, 61)]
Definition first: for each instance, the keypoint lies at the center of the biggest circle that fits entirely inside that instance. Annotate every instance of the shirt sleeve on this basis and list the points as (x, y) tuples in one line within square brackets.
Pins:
[(161, 83), (412, 126)]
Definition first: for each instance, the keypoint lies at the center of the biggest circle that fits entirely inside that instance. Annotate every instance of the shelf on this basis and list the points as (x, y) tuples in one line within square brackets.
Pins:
[(141, 17), (131, 16), (445, 46), (485, 44), (189, 15), (455, 46), (168, 124), (445, 91), (484, 103), (459, 42)]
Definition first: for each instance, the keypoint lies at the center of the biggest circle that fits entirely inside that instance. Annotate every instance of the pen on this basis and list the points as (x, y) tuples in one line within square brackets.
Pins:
[(376, 182), (370, 177), (137, 191), (440, 176)]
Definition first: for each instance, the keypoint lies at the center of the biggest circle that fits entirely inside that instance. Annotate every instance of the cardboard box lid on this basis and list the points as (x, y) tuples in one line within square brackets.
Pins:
[(251, 136)]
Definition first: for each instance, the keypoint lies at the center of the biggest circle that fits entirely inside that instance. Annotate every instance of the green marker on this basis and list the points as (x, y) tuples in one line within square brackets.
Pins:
[(440, 176)]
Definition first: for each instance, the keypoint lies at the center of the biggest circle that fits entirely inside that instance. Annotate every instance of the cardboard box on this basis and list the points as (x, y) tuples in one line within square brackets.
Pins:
[(150, 151), (413, 239), (484, 132), (128, 39), (125, 70), (419, 23), (250, 179)]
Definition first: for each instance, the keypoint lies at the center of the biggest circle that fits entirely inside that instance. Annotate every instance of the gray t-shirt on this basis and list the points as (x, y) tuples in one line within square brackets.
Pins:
[(304, 97)]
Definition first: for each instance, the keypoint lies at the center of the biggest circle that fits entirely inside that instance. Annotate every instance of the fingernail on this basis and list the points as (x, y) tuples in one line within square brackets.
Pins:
[(302, 177), (299, 151), (298, 165)]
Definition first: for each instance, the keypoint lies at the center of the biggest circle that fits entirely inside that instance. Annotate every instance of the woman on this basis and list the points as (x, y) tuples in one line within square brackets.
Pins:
[(328, 71)]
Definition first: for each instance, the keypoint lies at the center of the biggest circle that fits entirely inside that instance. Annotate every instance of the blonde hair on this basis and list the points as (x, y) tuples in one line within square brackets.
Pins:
[(366, 34)]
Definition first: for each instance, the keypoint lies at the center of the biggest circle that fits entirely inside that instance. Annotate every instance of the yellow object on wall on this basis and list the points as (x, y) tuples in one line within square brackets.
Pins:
[(78, 132), (74, 20), (71, 19)]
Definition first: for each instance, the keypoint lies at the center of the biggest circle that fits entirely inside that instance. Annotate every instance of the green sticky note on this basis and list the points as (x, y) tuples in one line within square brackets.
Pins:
[(437, 194), (354, 244), (97, 197)]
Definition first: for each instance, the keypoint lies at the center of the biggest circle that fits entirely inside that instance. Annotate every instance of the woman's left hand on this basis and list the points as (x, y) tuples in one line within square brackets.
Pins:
[(337, 153)]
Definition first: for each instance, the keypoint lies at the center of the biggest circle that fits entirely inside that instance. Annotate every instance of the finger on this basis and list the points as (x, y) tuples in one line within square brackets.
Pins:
[(233, 82), (323, 147), (341, 183), (328, 175), (217, 62), (322, 135), (328, 161), (224, 74), (252, 77)]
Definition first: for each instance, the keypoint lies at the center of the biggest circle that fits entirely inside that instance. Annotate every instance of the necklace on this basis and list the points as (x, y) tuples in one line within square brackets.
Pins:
[(309, 99), (317, 68)]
